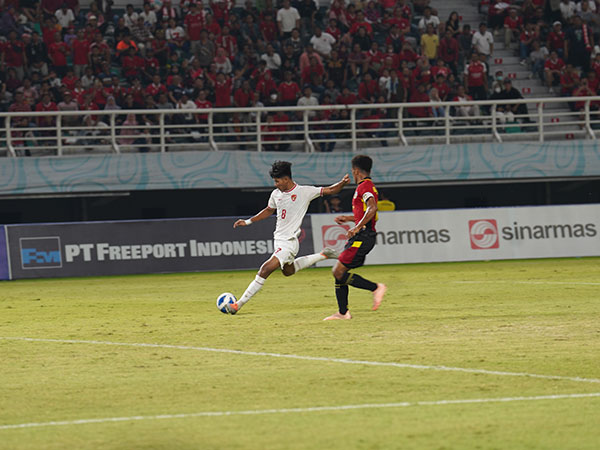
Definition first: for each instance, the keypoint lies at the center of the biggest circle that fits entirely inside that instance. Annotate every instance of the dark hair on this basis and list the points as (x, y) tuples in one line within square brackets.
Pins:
[(362, 162), (281, 169)]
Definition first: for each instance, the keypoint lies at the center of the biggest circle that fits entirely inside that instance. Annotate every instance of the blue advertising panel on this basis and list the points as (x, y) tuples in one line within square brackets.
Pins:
[(4, 269), (135, 247)]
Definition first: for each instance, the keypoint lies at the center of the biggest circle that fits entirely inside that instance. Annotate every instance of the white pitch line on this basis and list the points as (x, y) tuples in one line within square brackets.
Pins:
[(254, 412), (314, 358), (577, 283)]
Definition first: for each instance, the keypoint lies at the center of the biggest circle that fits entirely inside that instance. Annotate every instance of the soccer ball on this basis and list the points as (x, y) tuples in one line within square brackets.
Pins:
[(226, 298)]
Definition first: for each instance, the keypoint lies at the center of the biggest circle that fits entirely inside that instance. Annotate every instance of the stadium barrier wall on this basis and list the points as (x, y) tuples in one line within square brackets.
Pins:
[(250, 169), (188, 245), (474, 234)]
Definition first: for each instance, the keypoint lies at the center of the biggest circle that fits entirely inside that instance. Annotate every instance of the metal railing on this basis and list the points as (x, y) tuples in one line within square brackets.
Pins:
[(319, 128)]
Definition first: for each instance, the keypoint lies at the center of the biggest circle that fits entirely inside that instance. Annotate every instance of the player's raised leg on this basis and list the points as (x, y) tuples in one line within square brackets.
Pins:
[(255, 285), (306, 261)]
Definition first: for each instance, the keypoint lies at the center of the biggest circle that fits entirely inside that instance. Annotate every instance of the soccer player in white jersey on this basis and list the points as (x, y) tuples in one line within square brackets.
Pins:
[(291, 201)]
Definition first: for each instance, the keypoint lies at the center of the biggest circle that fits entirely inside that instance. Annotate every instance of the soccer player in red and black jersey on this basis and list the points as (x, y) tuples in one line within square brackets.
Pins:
[(361, 239)]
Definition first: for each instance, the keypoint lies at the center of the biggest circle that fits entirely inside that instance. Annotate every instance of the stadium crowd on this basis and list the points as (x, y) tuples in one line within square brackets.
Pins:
[(58, 56)]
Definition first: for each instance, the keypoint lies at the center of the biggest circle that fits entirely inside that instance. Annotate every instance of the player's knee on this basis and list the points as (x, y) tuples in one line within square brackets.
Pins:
[(337, 272)]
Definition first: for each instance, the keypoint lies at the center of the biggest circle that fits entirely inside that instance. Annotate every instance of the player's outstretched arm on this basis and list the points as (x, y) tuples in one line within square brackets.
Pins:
[(369, 214), (260, 216), (337, 187), (343, 219)]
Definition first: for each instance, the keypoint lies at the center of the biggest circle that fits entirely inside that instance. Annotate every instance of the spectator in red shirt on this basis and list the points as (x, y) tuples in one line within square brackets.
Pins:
[(282, 118), (582, 90), (289, 91), (358, 63), (528, 35), (194, 22), (419, 95), (465, 110), (221, 10), (334, 30), (80, 47), (161, 47), (569, 80), (228, 42), (593, 82), (347, 97), (372, 124), (243, 95), (476, 82), (58, 52), (13, 55), (102, 46), (395, 39), (513, 25), (440, 69), (441, 86), (361, 22), (408, 54), (151, 65), (368, 90), (556, 39), (46, 105), (269, 133), (202, 103), (448, 51), (132, 65), (156, 87), (212, 26), (314, 68), (223, 87), (70, 79), (553, 69), (266, 87)]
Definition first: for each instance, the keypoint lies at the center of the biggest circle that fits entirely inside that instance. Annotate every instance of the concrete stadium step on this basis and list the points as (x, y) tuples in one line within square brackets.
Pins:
[(505, 59)]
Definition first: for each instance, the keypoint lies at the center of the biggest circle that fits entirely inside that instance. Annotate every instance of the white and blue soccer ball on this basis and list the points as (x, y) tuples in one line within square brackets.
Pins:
[(226, 298)]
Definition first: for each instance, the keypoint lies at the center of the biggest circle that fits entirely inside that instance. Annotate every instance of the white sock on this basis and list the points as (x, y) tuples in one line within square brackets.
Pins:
[(306, 261), (252, 289)]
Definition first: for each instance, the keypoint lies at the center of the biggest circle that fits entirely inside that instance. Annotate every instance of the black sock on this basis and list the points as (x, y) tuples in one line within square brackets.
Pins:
[(359, 282), (341, 293)]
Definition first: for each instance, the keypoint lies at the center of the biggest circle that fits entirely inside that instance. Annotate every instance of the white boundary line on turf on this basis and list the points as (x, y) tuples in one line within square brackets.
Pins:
[(581, 283), (312, 358), (254, 412)]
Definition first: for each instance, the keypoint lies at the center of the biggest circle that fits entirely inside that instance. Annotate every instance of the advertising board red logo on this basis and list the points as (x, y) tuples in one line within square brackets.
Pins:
[(483, 234), (334, 236)]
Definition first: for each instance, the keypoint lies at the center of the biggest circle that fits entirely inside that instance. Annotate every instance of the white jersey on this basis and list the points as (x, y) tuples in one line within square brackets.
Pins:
[(291, 208)]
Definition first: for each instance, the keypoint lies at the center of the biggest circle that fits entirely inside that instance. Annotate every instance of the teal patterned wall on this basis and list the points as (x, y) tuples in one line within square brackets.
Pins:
[(193, 170)]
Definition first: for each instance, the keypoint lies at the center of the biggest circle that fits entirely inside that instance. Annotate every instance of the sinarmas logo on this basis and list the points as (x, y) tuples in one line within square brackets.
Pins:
[(335, 236), (483, 234), (40, 252)]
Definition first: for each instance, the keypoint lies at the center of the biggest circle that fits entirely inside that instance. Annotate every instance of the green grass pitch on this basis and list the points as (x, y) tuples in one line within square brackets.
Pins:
[(507, 318)]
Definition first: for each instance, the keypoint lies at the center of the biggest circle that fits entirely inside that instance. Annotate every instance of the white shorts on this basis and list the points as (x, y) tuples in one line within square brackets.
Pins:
[(286, 251)]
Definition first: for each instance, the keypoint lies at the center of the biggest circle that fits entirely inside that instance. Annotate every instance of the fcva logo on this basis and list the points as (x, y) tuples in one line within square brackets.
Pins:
[(334, 236), (484, 234), (40, 253)]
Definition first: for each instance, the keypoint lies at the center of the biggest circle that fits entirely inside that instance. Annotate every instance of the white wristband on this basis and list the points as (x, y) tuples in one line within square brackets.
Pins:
[(248, 222)]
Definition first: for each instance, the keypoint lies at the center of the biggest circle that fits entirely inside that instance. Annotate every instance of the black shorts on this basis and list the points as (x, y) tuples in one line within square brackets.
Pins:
[(357, 248)]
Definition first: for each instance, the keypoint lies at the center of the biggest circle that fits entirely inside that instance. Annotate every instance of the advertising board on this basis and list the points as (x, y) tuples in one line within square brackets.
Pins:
[(133, 247), (474, 234)]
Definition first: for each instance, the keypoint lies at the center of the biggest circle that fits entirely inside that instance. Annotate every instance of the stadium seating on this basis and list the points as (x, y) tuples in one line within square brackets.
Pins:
[(218, 54)]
